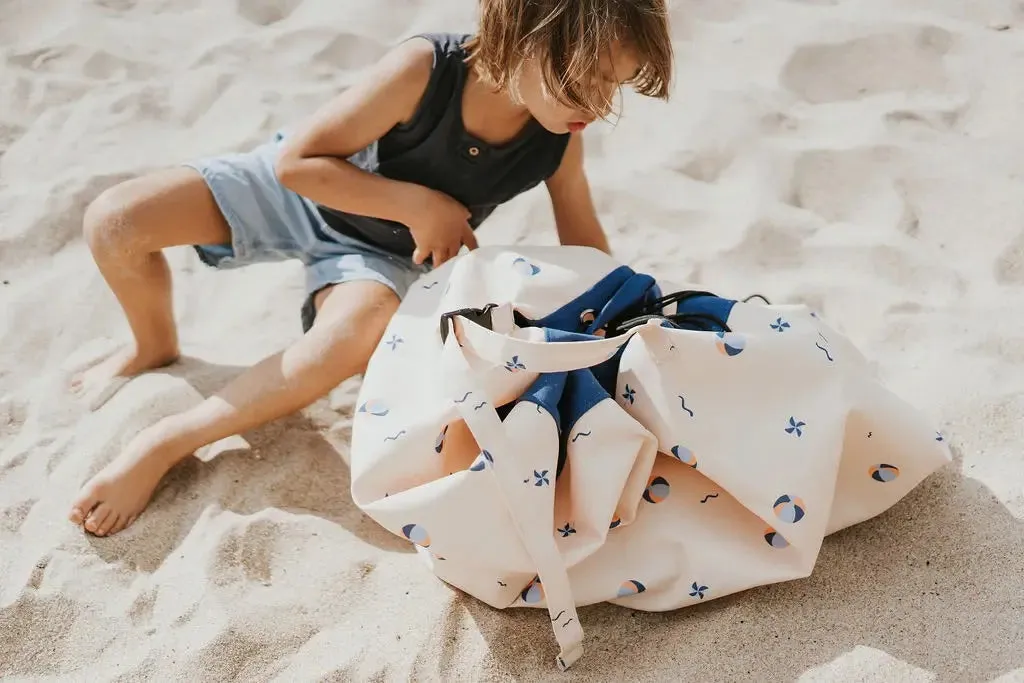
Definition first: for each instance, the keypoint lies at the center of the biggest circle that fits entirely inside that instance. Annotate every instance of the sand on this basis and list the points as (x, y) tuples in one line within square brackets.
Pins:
[(864, 157)]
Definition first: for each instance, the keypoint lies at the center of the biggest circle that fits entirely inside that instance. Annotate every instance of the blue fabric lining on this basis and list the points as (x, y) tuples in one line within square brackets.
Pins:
[(568, 396)]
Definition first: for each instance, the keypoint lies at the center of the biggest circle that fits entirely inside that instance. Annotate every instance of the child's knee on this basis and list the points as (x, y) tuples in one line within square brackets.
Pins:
[(107, 224), (352, 324)]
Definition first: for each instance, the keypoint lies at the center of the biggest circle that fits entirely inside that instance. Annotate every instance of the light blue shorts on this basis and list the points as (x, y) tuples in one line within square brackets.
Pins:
[(269, 222)]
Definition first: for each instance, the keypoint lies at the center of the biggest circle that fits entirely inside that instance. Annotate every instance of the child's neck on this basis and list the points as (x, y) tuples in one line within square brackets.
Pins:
[(489, 114)]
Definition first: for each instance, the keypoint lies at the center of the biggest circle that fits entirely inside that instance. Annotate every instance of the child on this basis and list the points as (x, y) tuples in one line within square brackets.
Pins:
[(389, 178)]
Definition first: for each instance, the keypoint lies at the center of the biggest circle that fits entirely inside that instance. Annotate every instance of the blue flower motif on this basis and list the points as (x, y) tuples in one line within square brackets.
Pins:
[(780, 325), (394, 341), (939, 436), (541, 478), (514, 365), (697, 591), (566, 530), (629, 394), (796, 427)]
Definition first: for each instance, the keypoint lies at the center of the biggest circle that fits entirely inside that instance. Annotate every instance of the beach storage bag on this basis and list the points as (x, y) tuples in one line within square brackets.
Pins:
[(552, 429)]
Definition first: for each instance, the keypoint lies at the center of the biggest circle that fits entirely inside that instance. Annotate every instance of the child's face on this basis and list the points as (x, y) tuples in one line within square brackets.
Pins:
[(618, 66)]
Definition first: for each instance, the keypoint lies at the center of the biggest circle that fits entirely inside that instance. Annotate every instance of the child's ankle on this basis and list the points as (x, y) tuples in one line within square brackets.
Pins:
[(173, 436)]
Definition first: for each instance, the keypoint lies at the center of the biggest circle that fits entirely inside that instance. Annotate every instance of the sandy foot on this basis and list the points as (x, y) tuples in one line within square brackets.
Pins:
[(98, 383), (112, 499)]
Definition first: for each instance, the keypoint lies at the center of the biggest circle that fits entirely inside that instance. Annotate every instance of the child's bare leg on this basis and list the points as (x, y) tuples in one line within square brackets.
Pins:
[(126, 227), (350, 322)]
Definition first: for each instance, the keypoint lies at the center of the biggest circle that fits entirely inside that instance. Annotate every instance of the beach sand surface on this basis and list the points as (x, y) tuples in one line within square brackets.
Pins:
[(865, 157)]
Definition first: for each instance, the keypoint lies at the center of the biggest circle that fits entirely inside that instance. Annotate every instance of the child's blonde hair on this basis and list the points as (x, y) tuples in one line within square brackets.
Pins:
[(569, 37)]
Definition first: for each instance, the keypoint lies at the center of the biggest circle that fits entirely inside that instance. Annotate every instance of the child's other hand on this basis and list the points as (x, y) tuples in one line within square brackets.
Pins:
[(440, 226)]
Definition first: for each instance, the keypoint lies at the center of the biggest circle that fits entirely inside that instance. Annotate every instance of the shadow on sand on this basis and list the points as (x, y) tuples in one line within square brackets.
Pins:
[(935, 582), (247, 481)]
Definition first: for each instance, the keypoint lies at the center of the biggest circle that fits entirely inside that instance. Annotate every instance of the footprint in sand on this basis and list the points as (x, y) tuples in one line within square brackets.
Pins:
[(71, 59), (267, 12), (1009, 267), (849, 184), (904, 59)]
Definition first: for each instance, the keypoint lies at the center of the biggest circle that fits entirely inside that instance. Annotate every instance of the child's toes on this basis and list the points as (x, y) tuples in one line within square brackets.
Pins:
[(121, 524), (98, 518), (110, 525), (83, 505), (77, 516)]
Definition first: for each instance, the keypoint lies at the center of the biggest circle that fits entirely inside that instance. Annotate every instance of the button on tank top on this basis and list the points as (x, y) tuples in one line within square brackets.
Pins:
[(435, 150)]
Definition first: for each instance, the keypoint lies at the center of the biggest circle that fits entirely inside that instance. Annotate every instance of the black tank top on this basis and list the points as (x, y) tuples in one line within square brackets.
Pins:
[(435, 150)]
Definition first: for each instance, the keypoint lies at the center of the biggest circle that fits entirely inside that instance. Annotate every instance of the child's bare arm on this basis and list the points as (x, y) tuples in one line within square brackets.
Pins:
[(313, 162), (575, 216)]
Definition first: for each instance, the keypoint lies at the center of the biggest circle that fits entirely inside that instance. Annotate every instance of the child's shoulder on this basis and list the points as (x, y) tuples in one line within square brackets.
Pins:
[(422, 53), (442, 47)]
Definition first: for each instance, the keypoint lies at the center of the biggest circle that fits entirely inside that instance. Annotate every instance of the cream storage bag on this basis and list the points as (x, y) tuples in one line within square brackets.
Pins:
[(552, 429)]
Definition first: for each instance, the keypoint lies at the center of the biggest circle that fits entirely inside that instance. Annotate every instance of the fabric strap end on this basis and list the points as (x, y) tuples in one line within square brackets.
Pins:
[(569, 656)]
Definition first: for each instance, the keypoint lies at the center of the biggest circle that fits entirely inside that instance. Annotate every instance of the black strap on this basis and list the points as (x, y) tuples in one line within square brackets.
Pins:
[(481, 316), (653, 310), (638, 315)]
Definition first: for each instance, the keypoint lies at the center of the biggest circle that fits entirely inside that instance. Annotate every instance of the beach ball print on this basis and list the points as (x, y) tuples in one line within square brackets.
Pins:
[(416, 534), (533, 593), (730, 344), (775, 539), (616, 522), (439, 441), (657, 491), (685, 456), (480, 464), (524, 267), (884, 473), (789, 509), (631, 587), (375, 407)]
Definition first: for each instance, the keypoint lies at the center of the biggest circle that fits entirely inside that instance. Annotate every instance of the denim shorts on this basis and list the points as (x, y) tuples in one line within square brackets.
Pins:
[(269, 222)]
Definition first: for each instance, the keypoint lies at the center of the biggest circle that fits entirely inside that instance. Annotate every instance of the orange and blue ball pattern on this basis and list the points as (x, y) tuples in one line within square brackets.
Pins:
[(631, 587), (775, 539), (375, 407), (533, 593), (524, 267), (416, 534), (884, 473), (789, 509), (657, 490), (685, 456), (730, 344)]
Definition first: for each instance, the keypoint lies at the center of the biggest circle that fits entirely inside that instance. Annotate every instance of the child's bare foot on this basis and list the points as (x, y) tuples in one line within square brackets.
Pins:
[(112, 499), (97, 384)]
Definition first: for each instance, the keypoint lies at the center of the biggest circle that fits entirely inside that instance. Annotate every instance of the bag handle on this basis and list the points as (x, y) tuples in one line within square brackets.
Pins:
[(472, 327), (533, 530)]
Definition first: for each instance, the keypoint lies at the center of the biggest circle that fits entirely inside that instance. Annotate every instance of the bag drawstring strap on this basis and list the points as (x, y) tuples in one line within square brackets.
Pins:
[(486, 426), (653, 310)]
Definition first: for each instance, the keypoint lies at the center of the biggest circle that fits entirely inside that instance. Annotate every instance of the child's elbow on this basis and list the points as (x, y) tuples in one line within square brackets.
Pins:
[(288, 167)]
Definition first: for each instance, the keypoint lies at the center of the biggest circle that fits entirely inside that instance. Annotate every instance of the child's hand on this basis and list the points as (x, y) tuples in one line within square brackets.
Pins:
[(440, 228)]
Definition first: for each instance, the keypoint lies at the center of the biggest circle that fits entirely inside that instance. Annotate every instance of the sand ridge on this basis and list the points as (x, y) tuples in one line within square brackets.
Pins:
[(865, 158)]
